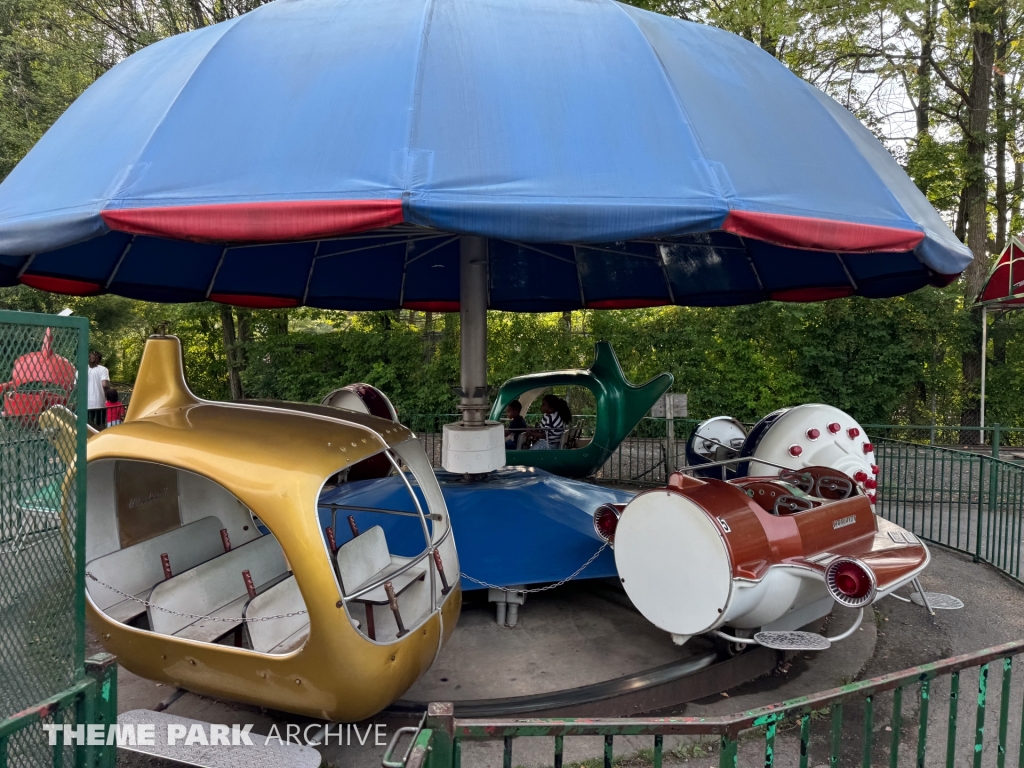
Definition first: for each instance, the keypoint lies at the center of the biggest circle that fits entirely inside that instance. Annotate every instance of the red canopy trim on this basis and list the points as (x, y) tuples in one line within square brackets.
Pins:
[(625, 303), (820, 234), (432, 306), (813, 294), (257, 222), (61, 285), (254, 302)]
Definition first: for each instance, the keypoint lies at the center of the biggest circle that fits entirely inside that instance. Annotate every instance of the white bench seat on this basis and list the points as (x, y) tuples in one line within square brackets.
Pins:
[(207, 631), (216, 587), (136, 569), (400, 583), (284, 634), (127, 610), (365, 559)]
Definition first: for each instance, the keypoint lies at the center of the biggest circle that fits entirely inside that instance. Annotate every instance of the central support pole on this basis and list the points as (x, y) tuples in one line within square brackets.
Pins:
[(473, 446), (473, 329)]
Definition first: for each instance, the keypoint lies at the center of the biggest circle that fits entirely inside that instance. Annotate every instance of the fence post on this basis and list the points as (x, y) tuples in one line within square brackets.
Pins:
[(993, 486), (103, 669), (441, 721), (982, 505)]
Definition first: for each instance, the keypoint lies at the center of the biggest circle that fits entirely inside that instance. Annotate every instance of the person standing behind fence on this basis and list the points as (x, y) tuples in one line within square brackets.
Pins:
[(99, 380)]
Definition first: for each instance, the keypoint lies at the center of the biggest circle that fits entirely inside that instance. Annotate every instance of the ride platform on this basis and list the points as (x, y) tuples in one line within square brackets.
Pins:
[(581, 649)]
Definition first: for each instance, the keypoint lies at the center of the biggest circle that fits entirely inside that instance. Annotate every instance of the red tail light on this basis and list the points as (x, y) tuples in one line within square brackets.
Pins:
[(606, 520), (850, 582)]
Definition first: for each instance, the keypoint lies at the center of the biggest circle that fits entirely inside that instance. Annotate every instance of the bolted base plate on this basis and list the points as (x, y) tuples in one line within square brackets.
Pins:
[(939, 601), (793, 641)]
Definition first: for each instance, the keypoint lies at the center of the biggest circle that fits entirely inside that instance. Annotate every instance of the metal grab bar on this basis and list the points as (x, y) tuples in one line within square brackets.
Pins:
[(387, 760), (380, 582), (356, 508)]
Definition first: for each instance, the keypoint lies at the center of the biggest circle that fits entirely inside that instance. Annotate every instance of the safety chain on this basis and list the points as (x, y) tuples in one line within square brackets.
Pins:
[(233, 620), (567, 579), (225, 619)]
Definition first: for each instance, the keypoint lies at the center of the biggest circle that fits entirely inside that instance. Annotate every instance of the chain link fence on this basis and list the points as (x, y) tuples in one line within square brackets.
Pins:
[(43, 390)]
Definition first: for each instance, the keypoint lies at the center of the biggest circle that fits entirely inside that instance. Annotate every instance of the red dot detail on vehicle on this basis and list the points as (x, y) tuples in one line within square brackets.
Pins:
[(795, 450), (834, 427)]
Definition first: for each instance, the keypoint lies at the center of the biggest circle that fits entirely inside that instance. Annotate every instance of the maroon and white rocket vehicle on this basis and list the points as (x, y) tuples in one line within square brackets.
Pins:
[(789, 533)]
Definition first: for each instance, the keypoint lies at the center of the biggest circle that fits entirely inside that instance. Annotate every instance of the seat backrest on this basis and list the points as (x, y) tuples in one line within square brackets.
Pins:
[(283, 597), (521, 441), (215, 583), (136, 568), (362, 557)]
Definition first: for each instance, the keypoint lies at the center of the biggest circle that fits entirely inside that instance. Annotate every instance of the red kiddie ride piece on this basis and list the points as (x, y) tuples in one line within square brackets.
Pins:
[(39, 380)]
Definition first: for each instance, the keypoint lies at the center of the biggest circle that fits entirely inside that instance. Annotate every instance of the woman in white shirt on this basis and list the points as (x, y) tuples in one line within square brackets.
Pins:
[(99, 380)]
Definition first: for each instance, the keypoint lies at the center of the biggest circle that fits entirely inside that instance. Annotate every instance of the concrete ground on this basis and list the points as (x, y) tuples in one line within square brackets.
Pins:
[(897, 636)]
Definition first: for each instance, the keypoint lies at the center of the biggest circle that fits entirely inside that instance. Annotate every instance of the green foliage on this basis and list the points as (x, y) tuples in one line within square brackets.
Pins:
[(894, 360)]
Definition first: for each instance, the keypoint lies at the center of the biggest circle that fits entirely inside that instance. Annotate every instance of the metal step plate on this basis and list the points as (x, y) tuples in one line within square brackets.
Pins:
[(793, 641), (255, 755), (939, 601)]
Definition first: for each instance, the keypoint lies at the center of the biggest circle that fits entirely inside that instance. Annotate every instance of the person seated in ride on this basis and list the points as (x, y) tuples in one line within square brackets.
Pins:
[(555, 421), (516, 424)]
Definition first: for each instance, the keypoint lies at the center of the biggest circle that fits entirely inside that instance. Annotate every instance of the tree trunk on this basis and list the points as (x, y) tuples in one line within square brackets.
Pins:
[(924, 72), (976, 204), (960, 225), (1002, 129), (977, 144), (227, 324), (1018, 189)]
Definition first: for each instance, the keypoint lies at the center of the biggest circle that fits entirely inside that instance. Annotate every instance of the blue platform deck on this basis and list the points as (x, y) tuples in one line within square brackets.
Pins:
[(519, 526)]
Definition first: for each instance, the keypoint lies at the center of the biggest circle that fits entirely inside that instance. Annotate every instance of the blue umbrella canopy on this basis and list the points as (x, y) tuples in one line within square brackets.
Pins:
[(329, 152)]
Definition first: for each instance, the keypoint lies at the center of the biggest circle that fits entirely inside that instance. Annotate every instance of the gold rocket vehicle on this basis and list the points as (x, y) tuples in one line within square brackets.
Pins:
[(207, 567)]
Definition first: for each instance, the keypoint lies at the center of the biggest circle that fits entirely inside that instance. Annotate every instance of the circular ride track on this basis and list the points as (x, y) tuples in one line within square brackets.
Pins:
[(582, 649)]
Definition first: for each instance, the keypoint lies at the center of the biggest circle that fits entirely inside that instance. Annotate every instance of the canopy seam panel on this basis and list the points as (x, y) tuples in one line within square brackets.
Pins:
[(231, 24), (675, 94), (864, 160), (417, 92)]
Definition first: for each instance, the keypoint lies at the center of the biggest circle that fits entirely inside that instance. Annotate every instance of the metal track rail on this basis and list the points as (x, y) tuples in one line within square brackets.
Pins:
[(651, 690)]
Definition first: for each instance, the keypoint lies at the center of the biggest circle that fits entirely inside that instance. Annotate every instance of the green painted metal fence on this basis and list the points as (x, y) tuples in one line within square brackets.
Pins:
[(962, 500), (935, 714), (44, 675)]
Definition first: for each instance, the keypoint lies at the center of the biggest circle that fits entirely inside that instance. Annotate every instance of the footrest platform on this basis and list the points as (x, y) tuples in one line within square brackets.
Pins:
[(792, 641), (272, 755)]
